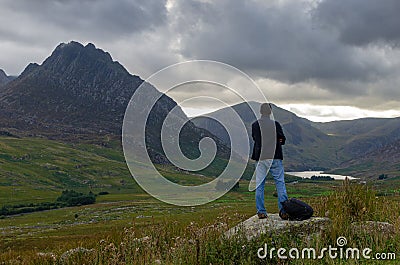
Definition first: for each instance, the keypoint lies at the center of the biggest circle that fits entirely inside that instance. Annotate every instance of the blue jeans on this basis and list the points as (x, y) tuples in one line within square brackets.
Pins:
[(275, 166)]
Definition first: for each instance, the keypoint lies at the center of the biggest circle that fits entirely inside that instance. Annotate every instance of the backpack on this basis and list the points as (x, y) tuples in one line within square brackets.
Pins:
[(297, 210)]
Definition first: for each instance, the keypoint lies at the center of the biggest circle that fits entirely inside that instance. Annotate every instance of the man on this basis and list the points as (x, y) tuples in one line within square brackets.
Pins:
[(268, 139)]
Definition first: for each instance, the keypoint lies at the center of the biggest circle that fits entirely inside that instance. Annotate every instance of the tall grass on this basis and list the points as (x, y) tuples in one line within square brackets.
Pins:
[(352, 207)]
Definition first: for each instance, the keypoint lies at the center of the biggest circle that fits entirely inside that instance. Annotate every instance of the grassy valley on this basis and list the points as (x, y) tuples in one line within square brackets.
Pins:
[(38, 170)]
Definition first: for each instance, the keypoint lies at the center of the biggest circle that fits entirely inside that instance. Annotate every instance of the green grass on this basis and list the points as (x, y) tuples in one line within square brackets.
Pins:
[(145, 231), (68, 228), (36, 170)]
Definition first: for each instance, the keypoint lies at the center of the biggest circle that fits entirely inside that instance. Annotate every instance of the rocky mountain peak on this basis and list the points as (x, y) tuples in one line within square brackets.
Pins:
[(74, 86), (77, 86), (74, 57), (2, 73), (4, 78), (29, 69), (79, 91)]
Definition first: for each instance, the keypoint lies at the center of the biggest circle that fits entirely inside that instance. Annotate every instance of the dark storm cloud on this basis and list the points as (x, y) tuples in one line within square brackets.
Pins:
[(291, 42), (361, 22), (29, 30), (99, 19), (276, 39), (331, 51)]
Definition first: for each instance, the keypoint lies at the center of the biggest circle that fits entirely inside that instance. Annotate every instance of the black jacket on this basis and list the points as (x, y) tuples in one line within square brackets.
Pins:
[(256, 134)]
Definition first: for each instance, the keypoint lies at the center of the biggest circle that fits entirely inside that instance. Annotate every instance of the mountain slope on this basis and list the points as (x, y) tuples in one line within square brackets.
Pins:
[(384, 160), (363, 135), (372, 144), (77, 87), (80, 92), (35, 170), (4, 79), (38, 170), (344, 146), (306, 148)]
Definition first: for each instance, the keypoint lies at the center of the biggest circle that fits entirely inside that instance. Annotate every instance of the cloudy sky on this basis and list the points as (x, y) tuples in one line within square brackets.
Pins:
[(329, 59)]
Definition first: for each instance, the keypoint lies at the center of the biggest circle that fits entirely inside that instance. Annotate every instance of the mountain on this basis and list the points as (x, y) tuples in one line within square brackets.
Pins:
[(363, 135), (4, 78), (80, 92), (353, 147), (76, 88), (372, 144), (307, 147), (384, 160)]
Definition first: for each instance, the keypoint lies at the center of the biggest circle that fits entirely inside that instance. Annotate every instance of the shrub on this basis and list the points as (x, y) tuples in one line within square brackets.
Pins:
[(73, 198), (382, 176)]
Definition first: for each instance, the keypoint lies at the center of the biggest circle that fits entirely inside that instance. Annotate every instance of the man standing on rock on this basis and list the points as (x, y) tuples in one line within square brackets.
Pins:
[(268, 139)]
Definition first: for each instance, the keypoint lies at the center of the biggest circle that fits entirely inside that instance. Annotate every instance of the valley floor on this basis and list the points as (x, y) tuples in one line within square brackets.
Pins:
[(43, 237), (127, 226)]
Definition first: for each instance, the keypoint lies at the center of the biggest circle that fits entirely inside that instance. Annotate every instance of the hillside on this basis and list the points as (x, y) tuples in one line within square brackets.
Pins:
[(4, 78), (384, 160), (363, 135), (60, 128), (307, 147), (77, 88), (372, 144), (37, 170), (353, 147), (79, 92)]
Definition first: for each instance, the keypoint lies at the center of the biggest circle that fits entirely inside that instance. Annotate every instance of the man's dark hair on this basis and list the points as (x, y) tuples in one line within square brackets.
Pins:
[(266, 109)]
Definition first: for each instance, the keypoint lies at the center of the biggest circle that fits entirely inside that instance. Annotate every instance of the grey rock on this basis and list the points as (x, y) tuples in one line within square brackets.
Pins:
[(374, 226), (64, 258), (254, 227)]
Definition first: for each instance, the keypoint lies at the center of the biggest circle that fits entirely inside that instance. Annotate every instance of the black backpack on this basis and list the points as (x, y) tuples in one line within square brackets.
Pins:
[(297, 210)]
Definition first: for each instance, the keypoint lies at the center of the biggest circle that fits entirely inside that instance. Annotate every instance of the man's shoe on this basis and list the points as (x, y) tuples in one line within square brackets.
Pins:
[(262, 215), (283, 215)]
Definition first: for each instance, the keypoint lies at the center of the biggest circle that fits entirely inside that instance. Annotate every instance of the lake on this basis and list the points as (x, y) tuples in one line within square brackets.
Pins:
[(309, 174)]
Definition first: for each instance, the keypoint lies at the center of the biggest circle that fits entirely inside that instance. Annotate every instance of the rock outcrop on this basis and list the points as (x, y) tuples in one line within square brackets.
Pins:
[(384, 228), (254, 227)]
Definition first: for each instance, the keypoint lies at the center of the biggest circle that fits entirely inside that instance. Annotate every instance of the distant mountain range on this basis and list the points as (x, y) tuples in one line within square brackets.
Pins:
[(383, 160), (307, 147), (347, 146), (363, 135), (79, 92), (373, 145)]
